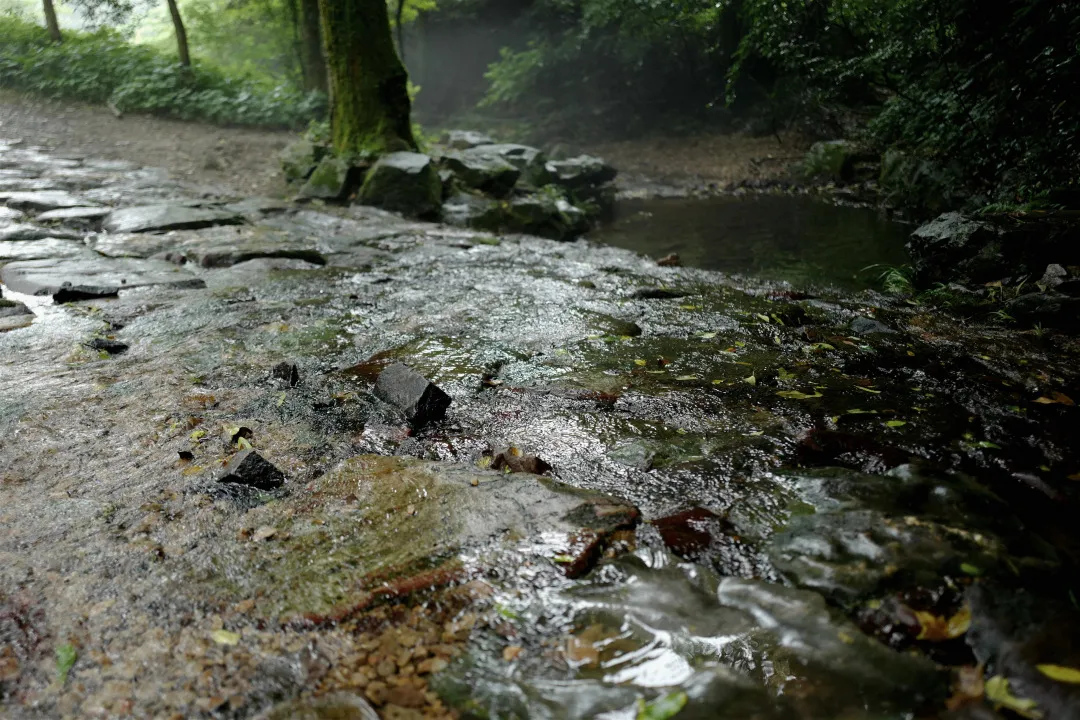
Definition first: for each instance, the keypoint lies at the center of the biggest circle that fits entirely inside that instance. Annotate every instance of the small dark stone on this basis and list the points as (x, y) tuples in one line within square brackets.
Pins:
[(409, 391), (113, 347), (186, 455), (249, 468), (868, 326), (671, 260), (691, 533), (288, 372), (656, 293), (515, 461)]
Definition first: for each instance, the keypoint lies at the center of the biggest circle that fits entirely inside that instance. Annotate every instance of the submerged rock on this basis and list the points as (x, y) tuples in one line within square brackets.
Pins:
[(112, 347), (10, 308), (157, 218), (404, 182), (869, 326), (250, 469), (421, 400)]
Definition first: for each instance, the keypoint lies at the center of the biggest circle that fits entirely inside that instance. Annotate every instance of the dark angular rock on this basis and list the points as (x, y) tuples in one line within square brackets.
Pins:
[(299, 159), (657, 293), (287, 372), (404, 182), (546, 215), (869, 326), (331, 180), (1054, 276), (113, 347), (1051, 309), (10, 308), (251, 469), (409, 391), (513, 460), (582, 171), (530, 161), (466, 139), (155, 218), (488, 173)]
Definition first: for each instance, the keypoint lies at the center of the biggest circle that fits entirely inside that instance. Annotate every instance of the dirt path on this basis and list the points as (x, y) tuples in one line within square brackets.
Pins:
[(246, 160), (242, 159)]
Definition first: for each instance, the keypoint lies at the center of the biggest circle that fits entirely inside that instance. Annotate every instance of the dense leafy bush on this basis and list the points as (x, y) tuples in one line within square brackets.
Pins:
[(102, 67)]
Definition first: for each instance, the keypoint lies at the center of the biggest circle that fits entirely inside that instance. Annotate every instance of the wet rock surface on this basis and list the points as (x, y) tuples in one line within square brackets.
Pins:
[(653, 482)]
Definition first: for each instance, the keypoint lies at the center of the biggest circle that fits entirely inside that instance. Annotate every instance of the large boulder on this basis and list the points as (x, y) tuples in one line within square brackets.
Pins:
[(489, 173), (957, 248), (831, 160), (329, 180), (299, 159), (546, 214), (581, 172), (465, 139), (530, 161), (474, 211), (404, 182)]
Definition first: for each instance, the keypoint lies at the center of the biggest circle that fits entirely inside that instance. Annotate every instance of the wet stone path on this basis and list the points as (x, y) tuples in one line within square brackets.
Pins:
[(654, 490)]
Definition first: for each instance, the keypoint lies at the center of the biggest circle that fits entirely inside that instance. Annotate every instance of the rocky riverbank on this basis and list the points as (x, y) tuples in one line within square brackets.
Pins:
[(654, 489)]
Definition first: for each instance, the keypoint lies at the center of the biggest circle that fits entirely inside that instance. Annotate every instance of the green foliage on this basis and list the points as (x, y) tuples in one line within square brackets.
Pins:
[(102, 67), (896, 280), (66, 655)]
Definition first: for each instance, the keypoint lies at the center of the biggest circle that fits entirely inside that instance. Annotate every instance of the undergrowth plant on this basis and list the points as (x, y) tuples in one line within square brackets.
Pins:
[(102, 67)]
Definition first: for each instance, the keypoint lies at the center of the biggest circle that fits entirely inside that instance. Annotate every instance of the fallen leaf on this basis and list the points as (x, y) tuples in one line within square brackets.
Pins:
[(998, 693), (641, 363), (264, 533), (510, 654), (663, 707), (708, 335), (1055, 398), (687, 377), (66, 655), (224, 637), (752, 380), (968, 687), (796, 395), (1061, 673), (874, 392), (939, 629), (896, 423)]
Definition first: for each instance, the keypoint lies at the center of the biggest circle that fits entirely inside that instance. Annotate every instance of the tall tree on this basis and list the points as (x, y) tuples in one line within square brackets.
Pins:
[(369, 98), (51, 23), (312, 60), (181, 34)]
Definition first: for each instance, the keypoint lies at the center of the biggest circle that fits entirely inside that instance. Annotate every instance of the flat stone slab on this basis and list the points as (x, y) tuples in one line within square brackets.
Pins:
[(25, 231), (7, 213), (86, 278), (156, 218), (74, 213), (43, 200), (45, 248)]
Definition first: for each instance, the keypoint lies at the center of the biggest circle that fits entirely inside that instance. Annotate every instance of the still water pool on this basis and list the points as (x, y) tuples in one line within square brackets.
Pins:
[(800, 239)]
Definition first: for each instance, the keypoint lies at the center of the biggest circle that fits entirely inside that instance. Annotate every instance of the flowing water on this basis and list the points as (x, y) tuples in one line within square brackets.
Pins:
[(795, 238)]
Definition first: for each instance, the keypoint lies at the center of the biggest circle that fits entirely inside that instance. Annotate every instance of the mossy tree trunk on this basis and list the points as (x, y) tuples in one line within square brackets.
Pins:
[(181, 34), (51, 23), (369, 99), (311, 46)]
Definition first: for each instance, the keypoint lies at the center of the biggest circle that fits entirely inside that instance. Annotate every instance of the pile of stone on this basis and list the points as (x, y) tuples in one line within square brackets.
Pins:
[(469, 180)]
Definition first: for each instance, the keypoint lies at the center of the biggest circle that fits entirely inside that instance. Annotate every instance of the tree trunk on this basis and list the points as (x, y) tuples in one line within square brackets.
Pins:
[(51, 23), (369, 99), (181, 34), (312, 59)]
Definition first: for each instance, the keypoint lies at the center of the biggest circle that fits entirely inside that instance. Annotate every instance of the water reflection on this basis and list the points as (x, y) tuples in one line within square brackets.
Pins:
[(795, 238)]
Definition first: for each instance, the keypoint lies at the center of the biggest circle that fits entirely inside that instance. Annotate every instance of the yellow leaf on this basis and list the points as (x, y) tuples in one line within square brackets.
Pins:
[(1060, 673), (873, 392), (752, 380), (224, 637), (1055, 398), (997, 692), (641, 363), (939, 629)]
